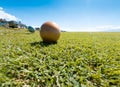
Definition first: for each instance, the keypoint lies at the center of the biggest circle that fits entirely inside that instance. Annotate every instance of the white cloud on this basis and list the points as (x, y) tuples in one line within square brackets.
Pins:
[(7, 16), (1, 8)]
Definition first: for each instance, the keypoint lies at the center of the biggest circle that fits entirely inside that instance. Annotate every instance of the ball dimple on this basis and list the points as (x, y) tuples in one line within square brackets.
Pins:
[(50, 32)]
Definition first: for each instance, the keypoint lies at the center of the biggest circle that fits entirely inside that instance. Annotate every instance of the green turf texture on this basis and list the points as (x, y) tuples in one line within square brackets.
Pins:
[(78, 59)]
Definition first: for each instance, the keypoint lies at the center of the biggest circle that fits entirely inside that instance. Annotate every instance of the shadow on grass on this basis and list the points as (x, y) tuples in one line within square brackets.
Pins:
[(42, 43)]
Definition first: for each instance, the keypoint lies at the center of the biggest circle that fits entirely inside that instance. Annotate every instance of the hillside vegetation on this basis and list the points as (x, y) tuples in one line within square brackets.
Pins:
[(78, 60)]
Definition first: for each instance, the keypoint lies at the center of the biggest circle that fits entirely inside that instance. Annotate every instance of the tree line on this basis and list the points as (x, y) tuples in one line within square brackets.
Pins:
[(12, 24)]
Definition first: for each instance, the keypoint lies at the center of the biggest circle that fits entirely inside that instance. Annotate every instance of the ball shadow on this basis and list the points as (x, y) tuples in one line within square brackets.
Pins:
[(43, 44)]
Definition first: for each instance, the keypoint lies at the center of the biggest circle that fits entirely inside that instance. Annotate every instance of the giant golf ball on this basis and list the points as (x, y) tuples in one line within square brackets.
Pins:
[(50, 32)]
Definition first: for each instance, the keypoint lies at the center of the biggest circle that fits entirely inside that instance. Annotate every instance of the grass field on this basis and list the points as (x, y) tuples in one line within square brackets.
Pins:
[(79, 59)]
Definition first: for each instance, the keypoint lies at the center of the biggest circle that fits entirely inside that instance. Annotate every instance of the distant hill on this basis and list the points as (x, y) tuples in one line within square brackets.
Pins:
[(63, 31), (113, 30)]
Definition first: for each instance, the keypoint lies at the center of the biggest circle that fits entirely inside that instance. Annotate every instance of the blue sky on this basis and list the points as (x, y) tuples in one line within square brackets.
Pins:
[(70, 15)]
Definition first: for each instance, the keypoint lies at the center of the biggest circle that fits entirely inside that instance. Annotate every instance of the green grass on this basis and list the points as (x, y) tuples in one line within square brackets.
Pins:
[(79, 59)]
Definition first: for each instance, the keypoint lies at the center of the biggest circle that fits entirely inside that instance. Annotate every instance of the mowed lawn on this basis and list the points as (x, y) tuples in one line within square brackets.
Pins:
[(79, 59)]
